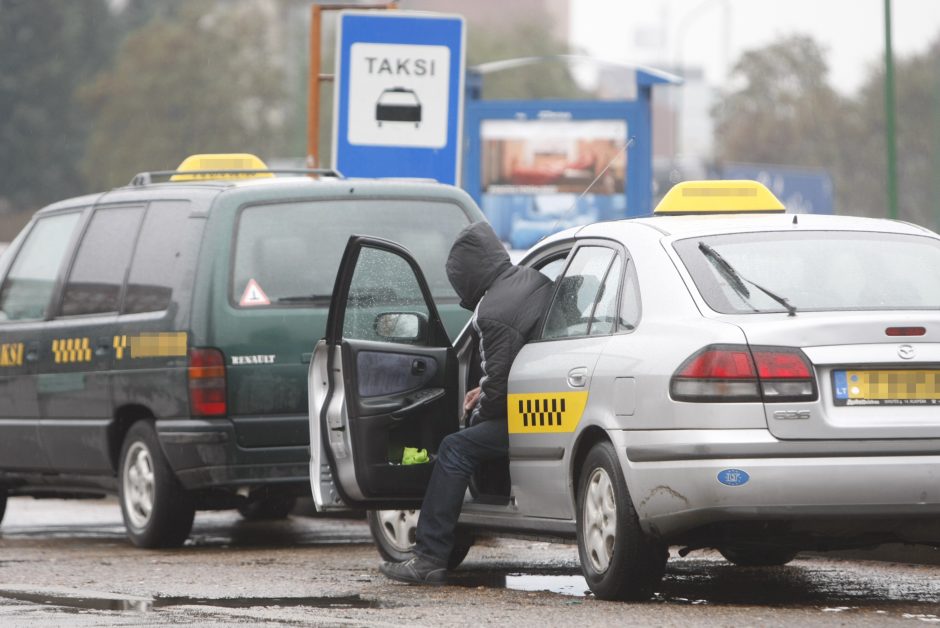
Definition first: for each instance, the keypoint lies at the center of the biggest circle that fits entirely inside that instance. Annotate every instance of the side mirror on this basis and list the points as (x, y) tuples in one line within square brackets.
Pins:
[(401, 326)]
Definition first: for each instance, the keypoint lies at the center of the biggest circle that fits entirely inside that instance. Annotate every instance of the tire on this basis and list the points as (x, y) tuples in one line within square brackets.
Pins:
[(271, 508), (394, 534), (3, 503), (758, 556), (618, 560), (157, 511)]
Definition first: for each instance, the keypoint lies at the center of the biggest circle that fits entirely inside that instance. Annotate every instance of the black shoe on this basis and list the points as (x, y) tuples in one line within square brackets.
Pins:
[(418, 570)]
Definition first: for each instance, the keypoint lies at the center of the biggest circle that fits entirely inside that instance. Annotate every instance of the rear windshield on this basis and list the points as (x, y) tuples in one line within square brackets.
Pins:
[(288, 253), (814, 271)]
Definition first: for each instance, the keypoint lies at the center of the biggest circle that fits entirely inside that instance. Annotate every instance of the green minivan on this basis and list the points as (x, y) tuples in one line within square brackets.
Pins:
[(155, 338)]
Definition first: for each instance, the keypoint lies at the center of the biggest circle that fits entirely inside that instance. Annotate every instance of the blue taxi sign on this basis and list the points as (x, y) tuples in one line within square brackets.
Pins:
[(399, 97)]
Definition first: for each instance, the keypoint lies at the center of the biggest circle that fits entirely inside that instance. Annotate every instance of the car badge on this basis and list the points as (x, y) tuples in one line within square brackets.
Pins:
[(906, 352)]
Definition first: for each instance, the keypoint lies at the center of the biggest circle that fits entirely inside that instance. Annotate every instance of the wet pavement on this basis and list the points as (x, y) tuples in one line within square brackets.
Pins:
[(323, 571)]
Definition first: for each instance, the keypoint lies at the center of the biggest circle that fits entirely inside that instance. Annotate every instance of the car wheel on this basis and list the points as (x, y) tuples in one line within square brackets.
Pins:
[(758, 556), (157, 511), (268, 508), (394, 534), (3, 503), (618, 560)]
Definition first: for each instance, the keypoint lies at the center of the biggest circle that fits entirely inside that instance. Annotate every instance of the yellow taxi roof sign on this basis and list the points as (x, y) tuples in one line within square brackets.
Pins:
[(719, 197), (221, 166)]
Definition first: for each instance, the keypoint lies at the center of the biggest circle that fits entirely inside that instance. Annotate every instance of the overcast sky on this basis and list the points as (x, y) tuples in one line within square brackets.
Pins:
[(712, 34)]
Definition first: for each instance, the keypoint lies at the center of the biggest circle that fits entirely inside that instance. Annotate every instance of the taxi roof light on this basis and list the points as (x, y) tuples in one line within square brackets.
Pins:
[(719, 197), (222, 166)]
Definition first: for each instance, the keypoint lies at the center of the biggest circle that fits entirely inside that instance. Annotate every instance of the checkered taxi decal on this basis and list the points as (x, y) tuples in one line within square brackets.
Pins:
[(545, 412)]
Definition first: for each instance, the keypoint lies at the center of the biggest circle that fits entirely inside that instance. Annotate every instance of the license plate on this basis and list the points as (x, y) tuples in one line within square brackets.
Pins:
[(886, 387)]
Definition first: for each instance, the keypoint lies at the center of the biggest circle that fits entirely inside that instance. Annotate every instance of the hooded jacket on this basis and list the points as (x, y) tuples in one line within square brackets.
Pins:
[(508, 302)]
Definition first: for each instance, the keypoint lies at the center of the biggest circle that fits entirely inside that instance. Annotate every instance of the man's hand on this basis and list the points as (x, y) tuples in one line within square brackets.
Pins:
[(470, 401)]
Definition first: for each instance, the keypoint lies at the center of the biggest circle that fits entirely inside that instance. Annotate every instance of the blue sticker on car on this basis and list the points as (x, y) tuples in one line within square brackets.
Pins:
[(733, 477), (840, 385)]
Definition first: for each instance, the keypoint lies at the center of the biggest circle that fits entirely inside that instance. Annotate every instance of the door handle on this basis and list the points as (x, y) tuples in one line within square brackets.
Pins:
[(577, 377), (103, 347), (32, 353)]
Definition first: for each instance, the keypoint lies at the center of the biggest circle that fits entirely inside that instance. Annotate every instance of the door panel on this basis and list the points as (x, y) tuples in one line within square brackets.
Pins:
[(384, 378), (407, 410)]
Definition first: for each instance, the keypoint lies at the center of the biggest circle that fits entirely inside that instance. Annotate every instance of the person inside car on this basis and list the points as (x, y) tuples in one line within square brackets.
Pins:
[(508, 303)]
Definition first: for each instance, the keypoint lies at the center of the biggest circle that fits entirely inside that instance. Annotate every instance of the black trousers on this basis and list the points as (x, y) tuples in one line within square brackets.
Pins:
[(459, 455)]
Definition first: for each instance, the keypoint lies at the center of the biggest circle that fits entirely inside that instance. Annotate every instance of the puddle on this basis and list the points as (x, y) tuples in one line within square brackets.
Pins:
[(565, 585), (561, 582), (106, 602), (336, 601)]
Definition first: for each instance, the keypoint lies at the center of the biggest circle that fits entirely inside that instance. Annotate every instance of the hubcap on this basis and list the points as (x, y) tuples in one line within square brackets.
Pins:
[(138, 485), (399, 528), (600, 520)]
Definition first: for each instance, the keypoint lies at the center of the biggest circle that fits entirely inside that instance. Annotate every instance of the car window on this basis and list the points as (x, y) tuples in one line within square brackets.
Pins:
[(28, 286), (97, 275), (629, 300), (814, 271), (291, 251), (577, 292), (163, 255), (382, 283), (604, 318), (553, 268)]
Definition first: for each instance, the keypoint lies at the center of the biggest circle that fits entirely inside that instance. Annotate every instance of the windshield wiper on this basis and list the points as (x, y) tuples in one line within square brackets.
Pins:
[(736, 280)]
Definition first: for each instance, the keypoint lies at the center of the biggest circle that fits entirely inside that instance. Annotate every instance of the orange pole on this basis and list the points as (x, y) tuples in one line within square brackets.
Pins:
[(317, 77)]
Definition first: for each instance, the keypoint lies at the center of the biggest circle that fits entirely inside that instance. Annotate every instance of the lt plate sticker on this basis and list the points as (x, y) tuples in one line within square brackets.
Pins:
[(733, 477)]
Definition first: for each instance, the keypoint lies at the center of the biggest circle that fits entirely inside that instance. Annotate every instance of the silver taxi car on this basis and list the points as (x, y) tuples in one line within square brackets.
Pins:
[(719, 375)]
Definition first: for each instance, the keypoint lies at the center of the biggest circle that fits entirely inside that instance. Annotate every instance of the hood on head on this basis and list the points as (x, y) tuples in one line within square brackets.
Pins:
[(476, 259)]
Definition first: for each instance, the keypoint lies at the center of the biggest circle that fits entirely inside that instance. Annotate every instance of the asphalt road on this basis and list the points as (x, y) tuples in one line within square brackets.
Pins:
[(68, 563)]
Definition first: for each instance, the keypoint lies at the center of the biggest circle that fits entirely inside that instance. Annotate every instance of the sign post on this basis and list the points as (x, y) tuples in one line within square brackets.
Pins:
[(399, 98)]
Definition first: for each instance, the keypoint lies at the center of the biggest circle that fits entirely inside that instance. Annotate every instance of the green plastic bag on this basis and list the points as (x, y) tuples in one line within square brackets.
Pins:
[(413, 455)]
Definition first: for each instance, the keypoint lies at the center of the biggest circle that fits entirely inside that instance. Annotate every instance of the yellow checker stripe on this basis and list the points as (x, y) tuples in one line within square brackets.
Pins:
[(923, 384), (120, 344), (545, 412), (69, 350), (158, 345)]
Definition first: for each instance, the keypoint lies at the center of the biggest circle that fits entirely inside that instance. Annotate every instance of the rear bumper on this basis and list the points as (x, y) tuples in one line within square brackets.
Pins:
[(673, 478), (206, 454)]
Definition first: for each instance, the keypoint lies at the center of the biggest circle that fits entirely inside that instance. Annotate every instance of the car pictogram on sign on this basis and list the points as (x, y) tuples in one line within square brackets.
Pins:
[(398, 104)]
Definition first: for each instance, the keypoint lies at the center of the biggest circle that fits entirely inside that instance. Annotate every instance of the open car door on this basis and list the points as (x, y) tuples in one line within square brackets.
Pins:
[(383, 383)]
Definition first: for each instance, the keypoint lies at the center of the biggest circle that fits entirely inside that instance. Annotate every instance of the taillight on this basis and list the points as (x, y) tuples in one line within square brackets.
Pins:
[(207, 382), (905, 331), (737, 373)]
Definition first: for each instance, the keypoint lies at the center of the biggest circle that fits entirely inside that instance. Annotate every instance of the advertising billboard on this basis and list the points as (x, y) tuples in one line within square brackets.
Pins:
[(542, 175)]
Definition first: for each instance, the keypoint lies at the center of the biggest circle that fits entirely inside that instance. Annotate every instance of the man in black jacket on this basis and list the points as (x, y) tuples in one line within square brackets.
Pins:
[(508, 303)]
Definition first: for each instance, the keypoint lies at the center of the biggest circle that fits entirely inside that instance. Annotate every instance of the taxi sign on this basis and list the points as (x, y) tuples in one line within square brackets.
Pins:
[(222, 166), (719, 197)]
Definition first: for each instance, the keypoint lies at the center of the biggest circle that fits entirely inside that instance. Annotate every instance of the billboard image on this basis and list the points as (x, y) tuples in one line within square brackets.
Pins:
[(552, 156), (534, 172)]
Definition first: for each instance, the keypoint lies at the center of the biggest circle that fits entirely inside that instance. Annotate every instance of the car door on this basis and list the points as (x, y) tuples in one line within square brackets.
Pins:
[(26, 296), (73, 388), (551, 378), (383, 380)]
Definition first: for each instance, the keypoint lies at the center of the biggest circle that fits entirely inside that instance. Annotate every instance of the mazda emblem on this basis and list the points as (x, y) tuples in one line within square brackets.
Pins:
[(906, 352)]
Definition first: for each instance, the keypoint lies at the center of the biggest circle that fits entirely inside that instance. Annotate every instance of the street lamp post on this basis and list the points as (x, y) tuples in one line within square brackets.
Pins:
[(890, 134)]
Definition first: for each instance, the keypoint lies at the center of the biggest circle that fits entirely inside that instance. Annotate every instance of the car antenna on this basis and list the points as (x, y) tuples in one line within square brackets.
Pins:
[(574, 205)]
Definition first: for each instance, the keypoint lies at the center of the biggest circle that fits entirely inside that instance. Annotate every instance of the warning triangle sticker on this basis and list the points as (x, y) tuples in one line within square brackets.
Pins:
[(253, 295)]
